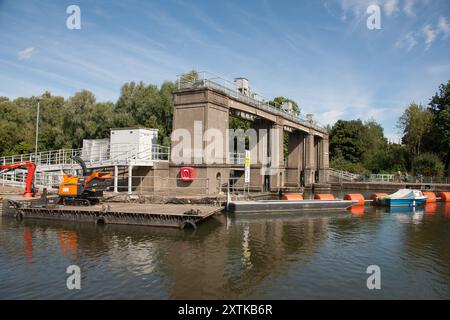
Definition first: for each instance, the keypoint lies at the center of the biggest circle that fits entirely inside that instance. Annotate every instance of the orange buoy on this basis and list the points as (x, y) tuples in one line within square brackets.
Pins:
[(324, 196), (445, 196), (374, 197), (292, 196), (431, 197), (355, 196)]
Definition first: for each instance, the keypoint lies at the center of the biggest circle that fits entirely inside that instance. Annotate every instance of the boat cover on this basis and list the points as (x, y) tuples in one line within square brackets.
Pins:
[(405, 194)]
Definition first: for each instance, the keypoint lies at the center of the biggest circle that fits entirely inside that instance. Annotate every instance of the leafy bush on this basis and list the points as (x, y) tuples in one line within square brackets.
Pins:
[(428, 164), (340, 163)]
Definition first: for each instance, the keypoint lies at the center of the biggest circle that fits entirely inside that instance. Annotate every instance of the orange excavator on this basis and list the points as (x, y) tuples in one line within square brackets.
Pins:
[(85, 190), (30, 191)]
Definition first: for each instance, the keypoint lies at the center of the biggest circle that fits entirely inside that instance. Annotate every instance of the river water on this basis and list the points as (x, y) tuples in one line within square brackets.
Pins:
[(322, 255)]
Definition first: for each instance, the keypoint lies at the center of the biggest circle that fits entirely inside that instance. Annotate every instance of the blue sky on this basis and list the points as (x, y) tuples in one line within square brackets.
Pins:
[(319, 53)]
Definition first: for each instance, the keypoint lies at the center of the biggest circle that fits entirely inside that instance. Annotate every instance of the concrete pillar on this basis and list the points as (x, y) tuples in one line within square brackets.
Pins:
[(310, 164), (277, 156), (324, 161), (203, 115), (259, 157), (130, 179), (116, 179), (295, 159)]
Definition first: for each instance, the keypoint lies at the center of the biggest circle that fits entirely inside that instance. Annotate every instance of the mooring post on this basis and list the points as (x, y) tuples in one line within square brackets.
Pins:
[(116, 178)]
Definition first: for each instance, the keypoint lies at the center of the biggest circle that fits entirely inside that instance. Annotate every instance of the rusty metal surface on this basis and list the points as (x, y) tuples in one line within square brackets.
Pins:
[(168, 215)]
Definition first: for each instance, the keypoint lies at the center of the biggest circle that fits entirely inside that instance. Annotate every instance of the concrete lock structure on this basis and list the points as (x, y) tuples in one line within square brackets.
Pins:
[(202, 109)]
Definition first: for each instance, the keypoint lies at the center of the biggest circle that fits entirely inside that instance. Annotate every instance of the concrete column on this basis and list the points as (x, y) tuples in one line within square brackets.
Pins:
[(310, 160), (130, 179), (116, 179), (277, 156), (295, 159), (324, 161), (259, 154)]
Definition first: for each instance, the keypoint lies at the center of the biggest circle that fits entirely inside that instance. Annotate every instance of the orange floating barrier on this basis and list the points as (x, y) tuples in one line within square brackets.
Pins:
[(431, 196), (324, 196), (292, 196), (374, 197), (355, 196), (445, 196)]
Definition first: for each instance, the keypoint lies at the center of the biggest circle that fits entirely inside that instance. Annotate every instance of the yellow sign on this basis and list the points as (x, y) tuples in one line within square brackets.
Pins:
[(247, 167)]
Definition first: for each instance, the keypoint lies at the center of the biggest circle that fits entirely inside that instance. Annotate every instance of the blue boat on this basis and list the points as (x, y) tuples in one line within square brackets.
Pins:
[(403, 198)]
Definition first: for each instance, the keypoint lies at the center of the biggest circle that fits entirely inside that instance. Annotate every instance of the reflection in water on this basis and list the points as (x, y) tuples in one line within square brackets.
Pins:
[(431, 208), (246, 253), (446, 210), (67, 241), (241, 256), (28, 241), (357, 211)]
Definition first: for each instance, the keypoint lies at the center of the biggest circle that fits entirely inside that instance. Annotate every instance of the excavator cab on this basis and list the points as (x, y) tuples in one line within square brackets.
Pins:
[(86, 189)]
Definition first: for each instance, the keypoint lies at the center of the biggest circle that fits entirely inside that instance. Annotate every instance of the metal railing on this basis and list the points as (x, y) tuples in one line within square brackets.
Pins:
[(163, 186), (149, 185), (41, 179), (406, 179), (212, 81), (236, 158), (102, 155), (237, 185), (343, 175), (381, 177)]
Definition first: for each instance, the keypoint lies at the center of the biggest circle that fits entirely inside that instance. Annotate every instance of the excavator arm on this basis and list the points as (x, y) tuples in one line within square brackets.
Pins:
[(29, 181)]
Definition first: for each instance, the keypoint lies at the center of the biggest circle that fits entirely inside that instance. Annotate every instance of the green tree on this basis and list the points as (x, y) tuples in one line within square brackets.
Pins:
[(15, 129), (51, 118), (428, 164), (415, 122), (346, 142), (146, 106), (188, 79), (278, 101), (375, 146), (79, 122), (439, 106)]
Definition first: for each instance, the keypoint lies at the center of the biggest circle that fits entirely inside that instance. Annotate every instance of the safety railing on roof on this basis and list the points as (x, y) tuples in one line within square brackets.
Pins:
[(210, 80)]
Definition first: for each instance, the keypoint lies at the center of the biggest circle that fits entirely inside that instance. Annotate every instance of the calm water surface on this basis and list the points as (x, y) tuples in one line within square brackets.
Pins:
[(252, 256)]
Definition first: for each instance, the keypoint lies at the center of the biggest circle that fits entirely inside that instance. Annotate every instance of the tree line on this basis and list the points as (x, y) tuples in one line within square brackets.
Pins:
[(64, 123), (360, 147), (355, 145)]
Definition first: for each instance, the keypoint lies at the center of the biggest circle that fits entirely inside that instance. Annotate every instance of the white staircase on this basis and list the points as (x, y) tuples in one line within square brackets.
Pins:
[(342, 176)]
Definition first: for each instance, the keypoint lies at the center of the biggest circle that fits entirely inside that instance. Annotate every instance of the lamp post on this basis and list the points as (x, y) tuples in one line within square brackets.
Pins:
[(37, 129)]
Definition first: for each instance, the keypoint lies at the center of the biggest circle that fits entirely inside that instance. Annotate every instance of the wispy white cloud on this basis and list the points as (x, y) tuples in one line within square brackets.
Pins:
[(443, 26), (408, 41), (390, 7), (331, 116), (438, 68), (430, 35), (25, 54), (408, 8)]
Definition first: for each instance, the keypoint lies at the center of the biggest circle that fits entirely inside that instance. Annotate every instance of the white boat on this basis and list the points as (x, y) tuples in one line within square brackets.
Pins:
[(403, 198)]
